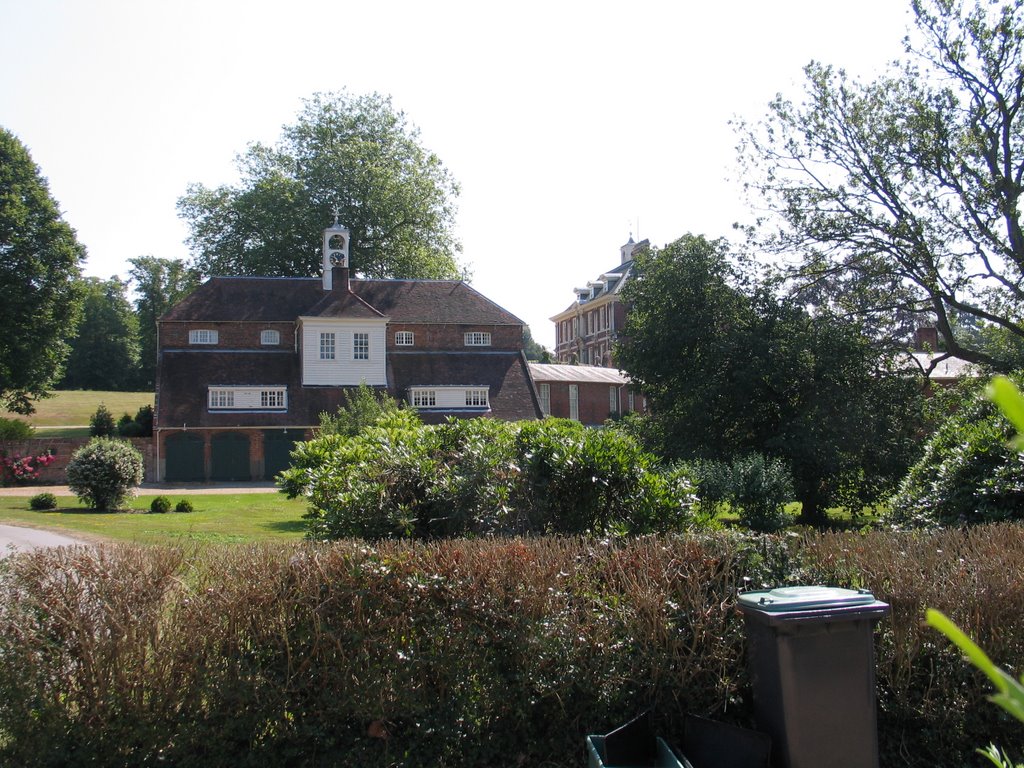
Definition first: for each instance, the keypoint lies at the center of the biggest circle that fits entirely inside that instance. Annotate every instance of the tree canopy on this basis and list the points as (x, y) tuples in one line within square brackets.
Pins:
[(40, 260), (903, 194), (729, 369), (355, 154), (159, 284), (105, 352)]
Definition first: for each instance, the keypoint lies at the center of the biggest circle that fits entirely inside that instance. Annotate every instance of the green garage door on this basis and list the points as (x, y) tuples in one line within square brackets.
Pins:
[(184, 458), (277, 448), (229, 457)]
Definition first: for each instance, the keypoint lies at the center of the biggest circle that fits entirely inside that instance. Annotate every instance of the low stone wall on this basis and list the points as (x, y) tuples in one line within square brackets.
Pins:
[(61, 448)]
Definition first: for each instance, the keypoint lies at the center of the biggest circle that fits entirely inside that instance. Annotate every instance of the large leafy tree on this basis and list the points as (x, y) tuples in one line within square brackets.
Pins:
[(40, 260), (158, 285), (729, 369), (355, 154), (903, 195), (105, 353)]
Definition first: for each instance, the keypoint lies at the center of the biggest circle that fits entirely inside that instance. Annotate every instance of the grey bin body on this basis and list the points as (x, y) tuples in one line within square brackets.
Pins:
[(810, 652)]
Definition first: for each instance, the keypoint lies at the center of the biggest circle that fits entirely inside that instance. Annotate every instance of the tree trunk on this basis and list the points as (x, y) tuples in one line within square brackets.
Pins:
[(811, 512)]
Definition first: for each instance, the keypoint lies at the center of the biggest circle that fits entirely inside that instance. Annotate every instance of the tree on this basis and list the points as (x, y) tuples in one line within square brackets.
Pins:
[(730, 369), (355, 154), (904, 193), (40, 297), (158, 284), (535, 351), (105, 353)]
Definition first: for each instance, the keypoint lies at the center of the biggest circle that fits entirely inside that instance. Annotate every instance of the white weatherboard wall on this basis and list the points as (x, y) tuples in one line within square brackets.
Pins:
[(343, 370)]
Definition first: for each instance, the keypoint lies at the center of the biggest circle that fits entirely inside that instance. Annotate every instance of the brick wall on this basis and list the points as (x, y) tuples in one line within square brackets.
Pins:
[(61, 449), (430, 336), (233, 335)]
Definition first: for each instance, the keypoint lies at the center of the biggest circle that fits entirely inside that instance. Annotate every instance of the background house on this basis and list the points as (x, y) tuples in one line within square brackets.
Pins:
[(584, 393), (586, 330), (247, 365)]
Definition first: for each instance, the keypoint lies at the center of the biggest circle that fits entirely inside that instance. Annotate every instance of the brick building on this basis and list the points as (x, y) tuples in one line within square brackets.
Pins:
[(584, 393), (247, 365)]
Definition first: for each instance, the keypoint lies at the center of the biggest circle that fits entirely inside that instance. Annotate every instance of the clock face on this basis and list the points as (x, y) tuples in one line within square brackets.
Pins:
[(336, 243)]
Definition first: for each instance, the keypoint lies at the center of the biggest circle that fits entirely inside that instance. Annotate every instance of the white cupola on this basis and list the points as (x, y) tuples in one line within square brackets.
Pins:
[(336, 242)]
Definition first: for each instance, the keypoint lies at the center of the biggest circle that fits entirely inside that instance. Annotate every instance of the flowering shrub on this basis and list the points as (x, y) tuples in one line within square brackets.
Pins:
[(23, 470), (103, 472)]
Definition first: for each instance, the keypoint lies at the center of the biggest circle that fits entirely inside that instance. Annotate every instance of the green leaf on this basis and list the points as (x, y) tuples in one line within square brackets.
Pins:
[(1004, 394)]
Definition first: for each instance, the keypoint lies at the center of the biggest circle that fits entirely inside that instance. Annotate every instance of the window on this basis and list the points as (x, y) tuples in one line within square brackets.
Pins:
[(272, 398), (360, 346), (544, 393), (574, 402), (403, 338), (632, 402), (478, 339), (222, 398), (270, 337), (613, 400), (424, 398), (326, 346), (476, 397), (204, 336)]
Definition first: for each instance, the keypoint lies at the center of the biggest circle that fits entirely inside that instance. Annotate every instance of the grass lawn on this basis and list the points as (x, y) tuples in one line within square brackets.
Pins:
[(72, 408), (218, 518)]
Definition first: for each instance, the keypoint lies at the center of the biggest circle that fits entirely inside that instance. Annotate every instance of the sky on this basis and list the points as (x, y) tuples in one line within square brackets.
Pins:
[(569, 125)]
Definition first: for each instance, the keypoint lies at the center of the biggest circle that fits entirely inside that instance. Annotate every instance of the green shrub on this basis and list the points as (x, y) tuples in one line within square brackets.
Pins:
[(139, 426), (184, 506), (43, 501), (101, 423), (756, 487), (103, 472), (15, 429), (968, 474), (472, 477), (161, 505), (362, 407)]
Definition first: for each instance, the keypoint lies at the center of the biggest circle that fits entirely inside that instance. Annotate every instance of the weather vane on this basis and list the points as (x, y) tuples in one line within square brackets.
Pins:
[(337, 212)]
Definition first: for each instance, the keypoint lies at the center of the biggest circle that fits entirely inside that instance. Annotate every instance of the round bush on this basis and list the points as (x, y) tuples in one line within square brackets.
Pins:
[(184, 506), (161, 505), (43, 501), (15, 429), (103, 472)]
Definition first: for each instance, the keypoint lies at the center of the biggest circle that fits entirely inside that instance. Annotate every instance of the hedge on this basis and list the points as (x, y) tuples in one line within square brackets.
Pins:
[(467, 652)]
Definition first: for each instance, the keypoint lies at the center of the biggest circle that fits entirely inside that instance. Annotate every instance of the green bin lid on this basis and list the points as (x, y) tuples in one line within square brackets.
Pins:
[(783, 599)]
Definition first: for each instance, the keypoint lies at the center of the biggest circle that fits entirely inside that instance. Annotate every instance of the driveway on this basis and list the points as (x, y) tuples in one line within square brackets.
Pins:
[(152, 489), (14, 538)]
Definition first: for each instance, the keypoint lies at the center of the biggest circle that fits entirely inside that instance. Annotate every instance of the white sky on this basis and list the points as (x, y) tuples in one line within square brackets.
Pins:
[(568, 124)]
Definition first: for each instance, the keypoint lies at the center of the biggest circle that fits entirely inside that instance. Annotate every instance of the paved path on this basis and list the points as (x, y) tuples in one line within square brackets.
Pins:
[(151, 489), (14, 538)]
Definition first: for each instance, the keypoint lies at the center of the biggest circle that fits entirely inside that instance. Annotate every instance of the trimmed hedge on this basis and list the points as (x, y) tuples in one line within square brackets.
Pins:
[(467, 653)]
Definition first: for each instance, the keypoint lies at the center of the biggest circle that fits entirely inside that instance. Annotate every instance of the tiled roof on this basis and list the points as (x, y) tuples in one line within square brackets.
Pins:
[(505, 374), (282, 299), (577, 374)]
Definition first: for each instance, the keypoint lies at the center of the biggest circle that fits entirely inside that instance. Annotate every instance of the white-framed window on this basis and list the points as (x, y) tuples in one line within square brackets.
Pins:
[(478, 339), (271, 398), (476, 397), (404, 338), (253, 398), (613, 399), (326, 346), (544, 394), (270, 337), (574, 402), (360, 346), (202, 336), (423, 398), (632, 402), (222, 398)]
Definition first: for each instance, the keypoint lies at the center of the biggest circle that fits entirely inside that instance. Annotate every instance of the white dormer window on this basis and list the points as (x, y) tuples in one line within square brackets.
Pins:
[(326, 346), (478, 339), (270, 338), (404, 338), (423, 398), (202, 336)]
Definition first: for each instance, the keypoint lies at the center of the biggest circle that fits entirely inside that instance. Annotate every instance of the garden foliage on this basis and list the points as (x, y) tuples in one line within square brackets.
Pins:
[(15, 429), (103, 472), (467, 653), (969, 473), (401, 478), (756, 486)]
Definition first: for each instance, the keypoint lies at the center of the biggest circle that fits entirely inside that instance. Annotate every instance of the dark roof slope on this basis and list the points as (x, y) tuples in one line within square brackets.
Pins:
[(282, 299)]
